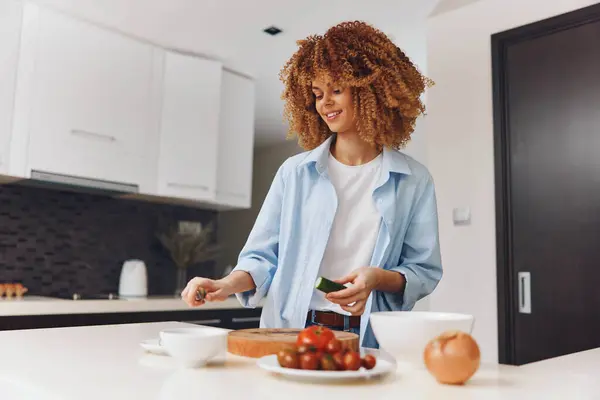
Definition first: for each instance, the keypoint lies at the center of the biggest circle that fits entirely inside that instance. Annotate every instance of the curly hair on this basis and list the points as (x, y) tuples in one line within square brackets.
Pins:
[(386, 86)]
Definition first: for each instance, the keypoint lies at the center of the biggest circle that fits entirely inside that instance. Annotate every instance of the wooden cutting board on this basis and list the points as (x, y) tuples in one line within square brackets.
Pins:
[(260, 342)]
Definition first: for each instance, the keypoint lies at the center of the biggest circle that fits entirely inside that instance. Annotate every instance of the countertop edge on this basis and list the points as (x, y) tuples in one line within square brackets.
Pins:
[(14, 308)]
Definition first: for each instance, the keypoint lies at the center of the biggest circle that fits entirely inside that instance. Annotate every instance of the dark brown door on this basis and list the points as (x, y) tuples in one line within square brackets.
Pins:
[(547, 109)]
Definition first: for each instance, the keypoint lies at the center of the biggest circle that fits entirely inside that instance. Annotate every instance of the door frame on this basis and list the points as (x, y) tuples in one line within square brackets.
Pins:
[(505, 272)]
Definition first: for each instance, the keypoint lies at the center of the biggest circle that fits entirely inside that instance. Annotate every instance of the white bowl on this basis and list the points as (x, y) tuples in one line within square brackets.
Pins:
[(405, 334), (193, 347)]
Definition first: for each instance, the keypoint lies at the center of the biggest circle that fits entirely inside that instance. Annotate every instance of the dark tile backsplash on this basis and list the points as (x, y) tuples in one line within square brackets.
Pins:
[(59, 243)]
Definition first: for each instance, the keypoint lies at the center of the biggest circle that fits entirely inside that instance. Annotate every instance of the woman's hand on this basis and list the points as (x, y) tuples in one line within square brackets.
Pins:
[(215, 290), (364, 280)]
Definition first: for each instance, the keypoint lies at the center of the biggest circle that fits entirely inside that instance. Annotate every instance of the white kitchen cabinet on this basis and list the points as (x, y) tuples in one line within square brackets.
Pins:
[(85, 101), (10, 28), (236, 141), (189, 128), (93, 107)]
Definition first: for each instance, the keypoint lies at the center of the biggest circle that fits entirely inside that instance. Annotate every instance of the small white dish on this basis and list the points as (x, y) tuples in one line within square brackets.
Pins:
[(153, 346), (194, 347), (270, 363)]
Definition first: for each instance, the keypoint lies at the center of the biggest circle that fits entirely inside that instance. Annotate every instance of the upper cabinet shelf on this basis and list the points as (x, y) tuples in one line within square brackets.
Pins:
[(94, 105)]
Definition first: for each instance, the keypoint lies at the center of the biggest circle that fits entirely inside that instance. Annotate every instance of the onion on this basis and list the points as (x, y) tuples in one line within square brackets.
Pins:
[(452, 357)]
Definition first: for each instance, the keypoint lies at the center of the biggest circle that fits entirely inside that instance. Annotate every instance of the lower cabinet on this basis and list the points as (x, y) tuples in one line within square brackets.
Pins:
[(229, 319), (241, 318)]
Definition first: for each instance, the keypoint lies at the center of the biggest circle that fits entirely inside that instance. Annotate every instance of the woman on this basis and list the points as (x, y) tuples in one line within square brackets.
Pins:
[(350, 208)]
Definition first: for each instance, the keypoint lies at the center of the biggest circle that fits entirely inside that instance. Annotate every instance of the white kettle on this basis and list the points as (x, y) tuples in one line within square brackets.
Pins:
[(134, 280)]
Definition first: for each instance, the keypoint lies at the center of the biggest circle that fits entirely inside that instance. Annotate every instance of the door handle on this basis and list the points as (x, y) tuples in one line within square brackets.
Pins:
[(205, 322), (524, 292), (244, 319), (101, 136)]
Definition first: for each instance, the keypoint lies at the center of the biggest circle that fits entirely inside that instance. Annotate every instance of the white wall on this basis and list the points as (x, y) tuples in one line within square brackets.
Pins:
[(10, 21), (412, 40), (459, 141)]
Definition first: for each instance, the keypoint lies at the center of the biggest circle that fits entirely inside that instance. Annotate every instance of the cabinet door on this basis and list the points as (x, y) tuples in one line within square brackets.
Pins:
[(10, 28), (90, 99), (189, 127), (236, 141)]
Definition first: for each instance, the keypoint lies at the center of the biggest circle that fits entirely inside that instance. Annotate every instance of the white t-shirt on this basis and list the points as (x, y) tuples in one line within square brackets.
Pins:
[(355, 225)]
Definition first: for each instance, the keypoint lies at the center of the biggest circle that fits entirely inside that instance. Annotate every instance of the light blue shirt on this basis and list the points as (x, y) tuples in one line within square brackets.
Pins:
[(284, 250)]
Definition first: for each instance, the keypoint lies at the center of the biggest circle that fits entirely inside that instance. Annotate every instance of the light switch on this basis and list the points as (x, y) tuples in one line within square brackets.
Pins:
[(461, 216)]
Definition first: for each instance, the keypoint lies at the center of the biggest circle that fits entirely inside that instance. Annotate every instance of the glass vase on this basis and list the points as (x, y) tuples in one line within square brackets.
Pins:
[(180, 280)]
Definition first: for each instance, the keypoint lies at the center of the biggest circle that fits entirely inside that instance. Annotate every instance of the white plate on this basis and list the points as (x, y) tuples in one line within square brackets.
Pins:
[(270, 363), (153, 346)]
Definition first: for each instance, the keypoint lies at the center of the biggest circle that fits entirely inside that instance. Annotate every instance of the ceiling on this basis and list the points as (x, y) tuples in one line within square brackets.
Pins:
[(445, 6), (232, 31)]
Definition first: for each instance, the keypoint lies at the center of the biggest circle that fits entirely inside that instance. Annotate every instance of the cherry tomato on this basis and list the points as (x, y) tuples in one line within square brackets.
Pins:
[(303, 348), (281, 354), (338, 359), (369, 361), (352, 361), (288, 358), (309, 361), (319, 354), (333, 346), (327, 363), (317, 336)]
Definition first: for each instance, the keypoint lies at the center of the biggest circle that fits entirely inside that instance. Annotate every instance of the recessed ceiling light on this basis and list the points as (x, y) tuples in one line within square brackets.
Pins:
[(272, 30)]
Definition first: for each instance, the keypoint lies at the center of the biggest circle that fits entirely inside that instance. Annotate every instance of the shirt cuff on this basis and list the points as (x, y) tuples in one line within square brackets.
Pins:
[(413, 290), (262, 279)]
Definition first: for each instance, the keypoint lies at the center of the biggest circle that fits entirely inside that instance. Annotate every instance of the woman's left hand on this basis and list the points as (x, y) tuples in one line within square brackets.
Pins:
[(364, 280)]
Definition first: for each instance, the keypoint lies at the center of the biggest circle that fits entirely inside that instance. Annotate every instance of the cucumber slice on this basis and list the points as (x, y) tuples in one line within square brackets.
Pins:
[(327, 286)]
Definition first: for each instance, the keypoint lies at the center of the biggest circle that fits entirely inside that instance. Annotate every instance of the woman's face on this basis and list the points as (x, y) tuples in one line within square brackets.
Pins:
[(334, 104)]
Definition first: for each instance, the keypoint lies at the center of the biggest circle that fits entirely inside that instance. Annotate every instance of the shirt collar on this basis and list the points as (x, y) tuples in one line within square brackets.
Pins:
[(319, 155), (393, 161)]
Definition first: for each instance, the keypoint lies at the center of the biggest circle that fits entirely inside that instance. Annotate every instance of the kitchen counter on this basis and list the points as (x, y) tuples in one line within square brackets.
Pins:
[(36, 305), (106, 362)]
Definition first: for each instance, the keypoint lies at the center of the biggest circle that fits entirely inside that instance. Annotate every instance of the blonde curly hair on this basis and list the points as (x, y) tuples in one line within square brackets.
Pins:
[(386, 86)]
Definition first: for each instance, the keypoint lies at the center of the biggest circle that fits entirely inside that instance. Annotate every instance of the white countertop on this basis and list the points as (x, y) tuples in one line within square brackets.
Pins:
[(106, 362), (36, 305)]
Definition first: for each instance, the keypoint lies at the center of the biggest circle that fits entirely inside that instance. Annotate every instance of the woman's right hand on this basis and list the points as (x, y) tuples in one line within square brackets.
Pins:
[(216, 290)]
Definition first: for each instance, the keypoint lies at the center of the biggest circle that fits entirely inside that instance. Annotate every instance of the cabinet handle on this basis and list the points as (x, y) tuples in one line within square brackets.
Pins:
[(81, 132), (206, 321), (524, 292), (188, 186), (245, 319)]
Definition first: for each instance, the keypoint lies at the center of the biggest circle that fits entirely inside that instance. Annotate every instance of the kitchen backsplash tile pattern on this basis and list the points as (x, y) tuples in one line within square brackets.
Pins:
[(59, 243)]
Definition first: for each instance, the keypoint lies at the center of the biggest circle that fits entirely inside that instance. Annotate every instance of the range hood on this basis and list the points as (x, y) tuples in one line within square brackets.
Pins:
[(50, 180)]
